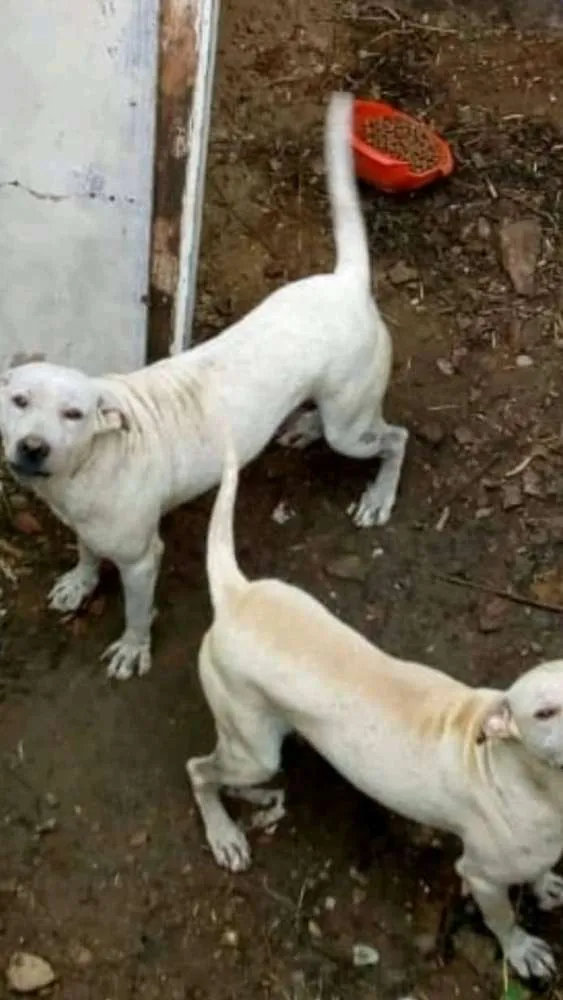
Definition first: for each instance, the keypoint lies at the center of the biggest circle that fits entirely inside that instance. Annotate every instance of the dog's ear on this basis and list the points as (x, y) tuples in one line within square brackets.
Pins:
[(498, 723), (111, 415), (5, 378)]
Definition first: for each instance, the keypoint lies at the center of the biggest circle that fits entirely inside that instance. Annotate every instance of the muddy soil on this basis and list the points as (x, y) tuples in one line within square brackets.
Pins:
[(103, 867)]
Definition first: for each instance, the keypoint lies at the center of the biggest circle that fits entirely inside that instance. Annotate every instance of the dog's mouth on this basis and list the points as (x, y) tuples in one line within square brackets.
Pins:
[(25, 473)]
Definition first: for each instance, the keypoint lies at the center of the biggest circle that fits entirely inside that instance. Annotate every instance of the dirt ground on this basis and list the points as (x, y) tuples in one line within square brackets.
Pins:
[(103, 868)]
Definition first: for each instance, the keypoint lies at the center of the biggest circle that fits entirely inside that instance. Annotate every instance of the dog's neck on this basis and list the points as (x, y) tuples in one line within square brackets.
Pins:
[(508, 760)]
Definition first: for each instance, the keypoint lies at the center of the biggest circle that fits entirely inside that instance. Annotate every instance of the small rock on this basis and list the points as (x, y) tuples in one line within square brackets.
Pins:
[(483, 512), (330, 903), (47, 826), (358, 877), (359, 896), (282, 513), (511, 496), (139, 839), (349, 567), (483, 228), (492, 616), (402, 274), (51, 800), (520, 244), (524, 361), (464, 436), (445, 366), (80, 955), (531, 484), (27, 523), (314, 929), (432, 432), (425, 944), (231, 938), (28, 973), (363, 955)]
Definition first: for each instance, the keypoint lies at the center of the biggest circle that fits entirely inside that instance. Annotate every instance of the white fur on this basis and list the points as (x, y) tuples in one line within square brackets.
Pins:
[(142, 446), (478, 763)]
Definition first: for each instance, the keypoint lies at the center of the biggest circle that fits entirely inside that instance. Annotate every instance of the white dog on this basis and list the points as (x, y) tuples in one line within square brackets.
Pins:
[(110, 456), (482, 764)]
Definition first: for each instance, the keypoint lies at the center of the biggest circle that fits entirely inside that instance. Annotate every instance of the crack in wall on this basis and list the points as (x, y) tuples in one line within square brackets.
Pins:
[(47, 196)]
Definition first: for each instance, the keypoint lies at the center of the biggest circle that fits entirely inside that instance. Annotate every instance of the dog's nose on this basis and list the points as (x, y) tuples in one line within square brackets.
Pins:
[(33, 448)]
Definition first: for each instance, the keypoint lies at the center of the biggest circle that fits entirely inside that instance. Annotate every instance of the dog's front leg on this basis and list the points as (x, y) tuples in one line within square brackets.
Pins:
[(529, 956), (72, 588), (139, 583)]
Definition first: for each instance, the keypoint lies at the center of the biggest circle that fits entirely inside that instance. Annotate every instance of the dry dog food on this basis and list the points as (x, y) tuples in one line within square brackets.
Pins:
[(404, 140)]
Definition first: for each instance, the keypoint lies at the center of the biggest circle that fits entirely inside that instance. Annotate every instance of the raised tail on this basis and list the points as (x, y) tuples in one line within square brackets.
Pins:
[(352, 252), (223, 573)]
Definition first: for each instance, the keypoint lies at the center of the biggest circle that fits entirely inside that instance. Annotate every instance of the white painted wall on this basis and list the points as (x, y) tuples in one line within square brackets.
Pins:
[(77, 110)]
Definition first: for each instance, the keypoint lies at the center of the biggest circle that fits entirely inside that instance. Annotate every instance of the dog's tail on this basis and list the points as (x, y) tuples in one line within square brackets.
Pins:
[(352, 252), (223, 573)]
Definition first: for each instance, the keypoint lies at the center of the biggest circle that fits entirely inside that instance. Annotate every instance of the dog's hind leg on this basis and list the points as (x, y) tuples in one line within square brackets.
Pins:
[(353, 427), (72, 588), (548, 890), (378, 499), (272, 801), (247, 753), (139, 583), (229, 764)]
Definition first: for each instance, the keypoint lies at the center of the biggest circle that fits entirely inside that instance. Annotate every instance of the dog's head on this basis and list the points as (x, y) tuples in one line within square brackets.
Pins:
[(531, 711), (49, 416)]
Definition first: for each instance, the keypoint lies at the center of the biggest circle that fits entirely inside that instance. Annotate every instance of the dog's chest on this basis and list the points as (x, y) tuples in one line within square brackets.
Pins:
[(528, 839)]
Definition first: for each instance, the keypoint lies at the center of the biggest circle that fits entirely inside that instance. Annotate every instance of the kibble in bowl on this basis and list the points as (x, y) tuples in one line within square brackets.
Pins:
[(403, 140), (394, 152)]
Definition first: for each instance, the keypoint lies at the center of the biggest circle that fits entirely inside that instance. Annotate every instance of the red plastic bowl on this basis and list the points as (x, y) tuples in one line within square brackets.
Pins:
[(384, 171)]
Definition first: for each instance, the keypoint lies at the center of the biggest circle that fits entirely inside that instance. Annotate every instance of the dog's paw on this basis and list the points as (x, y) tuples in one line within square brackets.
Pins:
[(274, 810), (531, 957), (301, 432), (375, 507), (548, 891), (71, 590), (229, 845), (124, 656)]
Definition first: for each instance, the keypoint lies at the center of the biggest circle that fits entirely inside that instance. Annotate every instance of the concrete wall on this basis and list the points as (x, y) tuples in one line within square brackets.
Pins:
[(77, 109)]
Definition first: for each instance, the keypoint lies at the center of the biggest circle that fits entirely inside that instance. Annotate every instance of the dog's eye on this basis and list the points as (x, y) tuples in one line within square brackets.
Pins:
[(546, 713), (20, 401), (73, 414)]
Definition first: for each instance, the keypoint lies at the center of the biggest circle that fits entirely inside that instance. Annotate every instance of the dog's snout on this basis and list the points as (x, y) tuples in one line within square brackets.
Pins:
[(33, 448)]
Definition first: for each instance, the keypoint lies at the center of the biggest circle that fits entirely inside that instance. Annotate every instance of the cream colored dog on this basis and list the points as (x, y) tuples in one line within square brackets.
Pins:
[(483, 764), (110, 456)]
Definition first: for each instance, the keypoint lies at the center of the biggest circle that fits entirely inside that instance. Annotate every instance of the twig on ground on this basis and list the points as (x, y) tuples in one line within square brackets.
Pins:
[(506, 595), (279, 898)]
